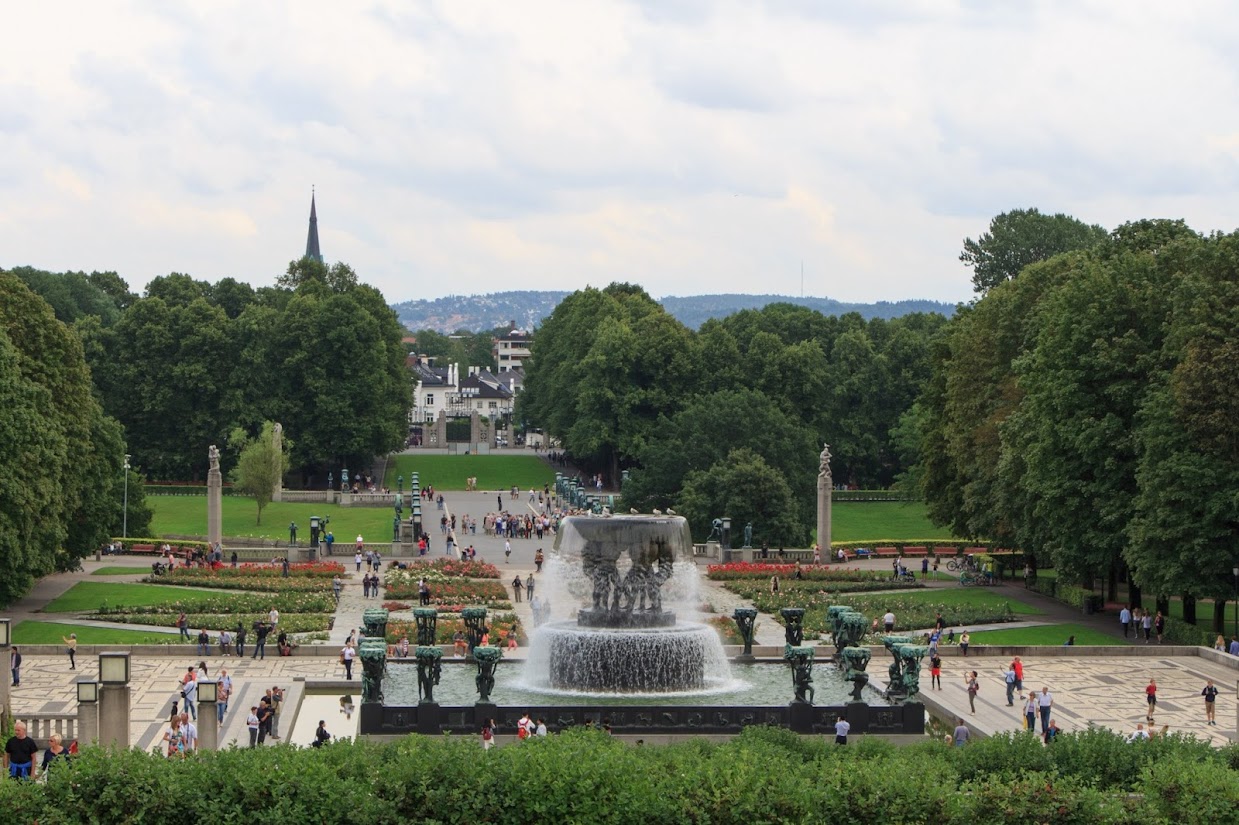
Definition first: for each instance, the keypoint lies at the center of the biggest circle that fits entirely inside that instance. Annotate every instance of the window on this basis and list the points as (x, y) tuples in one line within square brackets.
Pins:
[(494, 405), (430, 399)]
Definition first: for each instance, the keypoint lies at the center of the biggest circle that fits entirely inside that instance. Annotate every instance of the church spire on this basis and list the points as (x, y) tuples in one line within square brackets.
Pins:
[(311, 241)]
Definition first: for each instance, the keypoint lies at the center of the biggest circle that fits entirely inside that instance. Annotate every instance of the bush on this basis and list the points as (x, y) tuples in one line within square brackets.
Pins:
[(762, 775)]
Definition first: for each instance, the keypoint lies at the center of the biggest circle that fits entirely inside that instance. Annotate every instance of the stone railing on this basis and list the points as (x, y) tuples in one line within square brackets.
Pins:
[(41, 726), (367, 499), (311, 496)]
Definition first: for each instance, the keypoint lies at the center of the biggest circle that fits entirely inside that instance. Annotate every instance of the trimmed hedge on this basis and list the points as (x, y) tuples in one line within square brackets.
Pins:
[(763, 775)]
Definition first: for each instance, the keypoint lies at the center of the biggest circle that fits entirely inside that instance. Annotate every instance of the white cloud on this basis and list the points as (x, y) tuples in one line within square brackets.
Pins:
[(686, 146)]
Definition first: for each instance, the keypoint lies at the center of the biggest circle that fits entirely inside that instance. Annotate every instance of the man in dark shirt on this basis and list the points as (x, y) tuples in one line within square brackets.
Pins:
[(261, 629), (19, 753), (265, 714)]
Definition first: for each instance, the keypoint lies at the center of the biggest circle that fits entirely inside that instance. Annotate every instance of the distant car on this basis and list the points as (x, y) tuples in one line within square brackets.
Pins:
[(501, 442)]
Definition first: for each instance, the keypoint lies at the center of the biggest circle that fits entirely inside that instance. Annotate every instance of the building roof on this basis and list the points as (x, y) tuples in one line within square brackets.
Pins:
[(312, 250)]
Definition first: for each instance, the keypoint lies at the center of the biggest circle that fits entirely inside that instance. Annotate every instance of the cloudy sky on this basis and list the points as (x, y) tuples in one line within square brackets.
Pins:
[(686, 145)]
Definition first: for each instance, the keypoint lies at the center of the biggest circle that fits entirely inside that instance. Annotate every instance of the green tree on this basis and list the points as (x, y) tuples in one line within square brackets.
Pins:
[(1021, 237), (748, 490), (260, 465), (58, 454)]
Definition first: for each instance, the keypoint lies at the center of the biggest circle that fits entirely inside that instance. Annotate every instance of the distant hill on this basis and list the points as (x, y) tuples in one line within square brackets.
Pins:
[(476, 313)]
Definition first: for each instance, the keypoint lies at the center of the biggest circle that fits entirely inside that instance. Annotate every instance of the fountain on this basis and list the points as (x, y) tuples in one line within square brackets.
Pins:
[(624, 639)]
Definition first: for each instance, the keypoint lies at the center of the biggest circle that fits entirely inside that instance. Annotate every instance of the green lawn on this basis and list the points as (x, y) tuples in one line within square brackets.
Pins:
[(186, 516), (88, 596), (493, 472), (50, 633), (1050, 634), (964, 597), (877, 520), (122, 571)]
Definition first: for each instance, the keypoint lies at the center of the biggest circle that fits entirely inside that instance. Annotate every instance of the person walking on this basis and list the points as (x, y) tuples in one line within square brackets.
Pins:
[(888, 621), (71, 649), (1146, 623), (1009, 678), (189, 692), (518, 587), (1030, 712), (538, 558), (1045, 702), (964, 641), (1159, 626), (357, 560), (529, 587), (974, 687), (182, 624), (346, 658), (240, 639), (935, 671), (1018, 667), (1210, 694), (1125, 620), (488, 734), (507, 552), (1150, 696)]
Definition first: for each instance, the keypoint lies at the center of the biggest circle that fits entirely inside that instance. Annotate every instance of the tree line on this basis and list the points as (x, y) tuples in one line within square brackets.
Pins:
[(729, 419), (1083, 408), (90, 372)]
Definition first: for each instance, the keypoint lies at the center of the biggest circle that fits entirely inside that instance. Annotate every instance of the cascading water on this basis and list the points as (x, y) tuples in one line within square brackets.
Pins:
[(625, 573)]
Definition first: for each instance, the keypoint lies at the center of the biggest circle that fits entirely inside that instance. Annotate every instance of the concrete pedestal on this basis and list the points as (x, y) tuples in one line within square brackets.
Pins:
[(208, 726), (215, 507), (114, 715), (87, 723), (800, 717), (428, 714), (858, 716)]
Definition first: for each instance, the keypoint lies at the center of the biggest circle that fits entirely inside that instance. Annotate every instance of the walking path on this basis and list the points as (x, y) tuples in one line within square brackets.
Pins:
[(1098, 686)]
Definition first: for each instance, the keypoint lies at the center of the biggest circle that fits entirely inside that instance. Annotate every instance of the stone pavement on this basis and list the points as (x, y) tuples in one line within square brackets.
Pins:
[(1088, 686)]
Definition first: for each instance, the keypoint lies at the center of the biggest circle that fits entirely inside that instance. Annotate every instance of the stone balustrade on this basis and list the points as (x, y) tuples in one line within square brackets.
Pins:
[(40, 727)]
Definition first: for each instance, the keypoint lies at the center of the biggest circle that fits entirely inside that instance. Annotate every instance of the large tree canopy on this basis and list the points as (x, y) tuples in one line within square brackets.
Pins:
[(60, 457), (1021, 237)]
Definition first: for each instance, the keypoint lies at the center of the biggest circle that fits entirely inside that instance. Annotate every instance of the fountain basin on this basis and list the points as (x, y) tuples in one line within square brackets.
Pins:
[(627, 660)]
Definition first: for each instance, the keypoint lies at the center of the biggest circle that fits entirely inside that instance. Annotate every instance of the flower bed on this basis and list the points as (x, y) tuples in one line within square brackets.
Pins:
[(739, 571), (727, 630), (499, 624), (482, 593), (234, 603), (215, 622), (750, 588), (910, 610), (445, 568), (304, 578)]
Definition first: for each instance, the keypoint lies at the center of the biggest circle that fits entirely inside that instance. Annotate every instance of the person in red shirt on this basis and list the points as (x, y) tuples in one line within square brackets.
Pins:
[(1018, 667), (1150, 694)]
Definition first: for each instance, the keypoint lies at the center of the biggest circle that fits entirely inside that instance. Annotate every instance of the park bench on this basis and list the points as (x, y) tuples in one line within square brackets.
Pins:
[(885, 551), (143, 548), (915, 551)]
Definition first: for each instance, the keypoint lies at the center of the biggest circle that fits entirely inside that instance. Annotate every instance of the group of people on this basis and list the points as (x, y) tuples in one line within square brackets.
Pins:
[(263, 720), (370, 586), (526, 728), (371, 558), (519, 586), (21, 753), (1138, 619)]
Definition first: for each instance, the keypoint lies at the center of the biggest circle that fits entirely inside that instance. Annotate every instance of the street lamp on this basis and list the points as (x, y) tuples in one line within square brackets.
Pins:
[(124, 521)]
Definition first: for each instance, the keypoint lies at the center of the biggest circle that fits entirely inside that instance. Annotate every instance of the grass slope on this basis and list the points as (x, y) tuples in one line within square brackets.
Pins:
[(50, 633), (1050, 634), (493, 472), (877, 520), (186, 516), (88, 596)]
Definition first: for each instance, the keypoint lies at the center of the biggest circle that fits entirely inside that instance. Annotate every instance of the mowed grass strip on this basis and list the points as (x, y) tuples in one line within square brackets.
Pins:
[(1050, 635), (878, 520), (85, 597), (51, 633), (449, 472), (136, 570), (186, 516)]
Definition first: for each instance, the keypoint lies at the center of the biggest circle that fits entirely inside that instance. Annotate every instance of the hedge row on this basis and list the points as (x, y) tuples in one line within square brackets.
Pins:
[(763, 775)]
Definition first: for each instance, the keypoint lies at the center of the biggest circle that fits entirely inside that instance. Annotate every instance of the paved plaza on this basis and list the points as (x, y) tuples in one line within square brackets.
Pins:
[(1088, 687)]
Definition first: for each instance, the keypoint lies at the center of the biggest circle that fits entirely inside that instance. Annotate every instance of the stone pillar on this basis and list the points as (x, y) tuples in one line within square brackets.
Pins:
[(114, 715), (6, 679), (215, 500), (475, 429), (438, 433), (277, 443), (208, 726), (825, 484), (87, 722)]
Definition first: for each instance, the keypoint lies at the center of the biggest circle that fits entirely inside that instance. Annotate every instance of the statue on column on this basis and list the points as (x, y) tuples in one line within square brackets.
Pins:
[(823, 472), (213, 456)]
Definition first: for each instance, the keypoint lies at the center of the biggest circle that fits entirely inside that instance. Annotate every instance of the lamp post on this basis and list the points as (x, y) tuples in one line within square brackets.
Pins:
[(114, 699), (208, 715), (87, 710), (124, 519)]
